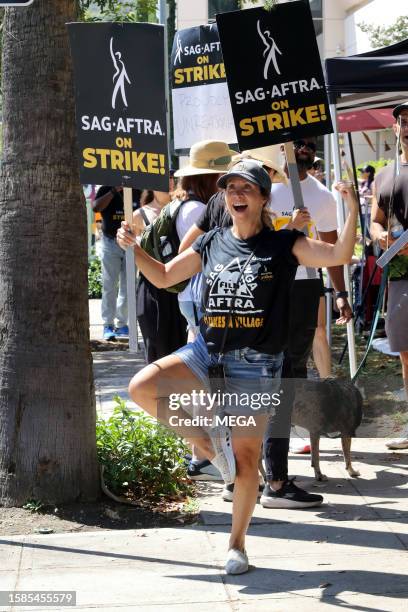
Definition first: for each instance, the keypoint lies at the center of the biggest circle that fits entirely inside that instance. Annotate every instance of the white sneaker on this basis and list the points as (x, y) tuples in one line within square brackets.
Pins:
[(399, 444), (237, 562), (224, 459), (228, 492)]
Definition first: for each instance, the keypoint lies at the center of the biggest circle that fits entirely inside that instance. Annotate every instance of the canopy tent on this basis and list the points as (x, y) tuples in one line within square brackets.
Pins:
[(383, 70), (377, 79), (365, 120)]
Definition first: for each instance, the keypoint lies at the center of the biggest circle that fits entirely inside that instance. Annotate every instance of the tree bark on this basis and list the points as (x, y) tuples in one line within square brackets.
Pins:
[(47, 403)]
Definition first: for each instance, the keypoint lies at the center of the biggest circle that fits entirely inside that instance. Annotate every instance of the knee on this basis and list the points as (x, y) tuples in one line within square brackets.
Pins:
[(140, 389), (247, 463)]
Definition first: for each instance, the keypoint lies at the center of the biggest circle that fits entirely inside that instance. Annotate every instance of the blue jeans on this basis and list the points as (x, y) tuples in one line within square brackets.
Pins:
[(247, 372), (114, 294)]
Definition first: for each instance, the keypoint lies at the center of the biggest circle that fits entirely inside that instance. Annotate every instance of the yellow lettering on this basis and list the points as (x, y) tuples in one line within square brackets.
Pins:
[(274, 121), (260, 123), (198, 73), (296, 118), (178, 76), (89, 157), (103, 154), (246, 127), (117, 160), (137, 162), (153, 163), (213, 74), (189, 72), (312, 114)]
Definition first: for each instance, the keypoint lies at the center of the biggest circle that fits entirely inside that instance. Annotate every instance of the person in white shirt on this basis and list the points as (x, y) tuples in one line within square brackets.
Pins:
[(320, 218)]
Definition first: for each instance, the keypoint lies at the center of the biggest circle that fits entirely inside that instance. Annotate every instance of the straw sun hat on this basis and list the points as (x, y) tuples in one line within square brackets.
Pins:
[(207, 157), (269, 157)]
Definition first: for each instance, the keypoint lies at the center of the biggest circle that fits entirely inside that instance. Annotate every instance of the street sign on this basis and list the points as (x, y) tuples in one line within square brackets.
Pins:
[(16, 2), (274, 74)]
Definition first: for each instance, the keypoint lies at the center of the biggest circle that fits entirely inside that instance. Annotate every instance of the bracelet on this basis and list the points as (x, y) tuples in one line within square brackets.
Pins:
[(341, 294)]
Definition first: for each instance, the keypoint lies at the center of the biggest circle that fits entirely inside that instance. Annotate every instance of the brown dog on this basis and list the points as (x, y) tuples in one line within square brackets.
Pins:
[(332, 407)]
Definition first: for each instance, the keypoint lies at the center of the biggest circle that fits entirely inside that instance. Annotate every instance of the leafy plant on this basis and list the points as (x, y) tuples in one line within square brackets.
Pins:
[(398, 267), (112, 10), (377, 164), (95, 279), (34, 505), (142, 459), (382, 36)]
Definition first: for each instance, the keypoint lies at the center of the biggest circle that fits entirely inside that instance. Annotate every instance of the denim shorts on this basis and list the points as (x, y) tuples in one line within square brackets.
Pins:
[(249, 375)]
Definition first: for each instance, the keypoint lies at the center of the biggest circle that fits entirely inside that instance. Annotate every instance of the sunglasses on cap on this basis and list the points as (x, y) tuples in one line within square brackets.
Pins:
[(298, 144)]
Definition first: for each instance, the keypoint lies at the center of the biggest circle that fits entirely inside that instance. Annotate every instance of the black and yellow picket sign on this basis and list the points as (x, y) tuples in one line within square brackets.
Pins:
[(120, 104), (274, 74)]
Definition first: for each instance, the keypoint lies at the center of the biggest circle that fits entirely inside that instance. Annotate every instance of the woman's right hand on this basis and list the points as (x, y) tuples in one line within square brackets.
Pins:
[(125, 237), (346, 190), (300, 218)]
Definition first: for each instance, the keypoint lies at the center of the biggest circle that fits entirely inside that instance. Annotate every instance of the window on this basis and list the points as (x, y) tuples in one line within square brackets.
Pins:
[(221, 6)]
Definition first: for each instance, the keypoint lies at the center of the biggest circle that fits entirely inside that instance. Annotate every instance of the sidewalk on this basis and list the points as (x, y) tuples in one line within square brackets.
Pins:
[(349, 553)]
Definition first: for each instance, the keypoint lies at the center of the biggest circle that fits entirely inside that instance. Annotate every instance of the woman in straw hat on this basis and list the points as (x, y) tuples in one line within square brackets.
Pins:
[(207, 160), (248, 270)]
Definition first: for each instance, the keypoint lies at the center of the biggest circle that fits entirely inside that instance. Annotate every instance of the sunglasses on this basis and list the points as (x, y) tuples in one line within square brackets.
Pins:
[(298, 144)]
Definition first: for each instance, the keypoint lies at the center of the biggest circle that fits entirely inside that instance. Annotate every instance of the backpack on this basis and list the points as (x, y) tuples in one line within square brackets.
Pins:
[(160, 239)]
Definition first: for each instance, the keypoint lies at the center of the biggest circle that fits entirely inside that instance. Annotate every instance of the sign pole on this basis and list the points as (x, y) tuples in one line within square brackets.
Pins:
[(294, 175), (341, 220), (296, 189), (329, 300), (131, 275)]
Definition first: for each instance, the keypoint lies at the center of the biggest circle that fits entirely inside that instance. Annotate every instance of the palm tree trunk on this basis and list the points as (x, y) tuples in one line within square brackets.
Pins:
[(47, 404)]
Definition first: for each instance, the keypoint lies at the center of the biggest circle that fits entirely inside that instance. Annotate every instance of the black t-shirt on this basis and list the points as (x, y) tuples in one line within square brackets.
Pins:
[(261, 307), (383, 186), (114, 213), (215, 214), (384, 181)]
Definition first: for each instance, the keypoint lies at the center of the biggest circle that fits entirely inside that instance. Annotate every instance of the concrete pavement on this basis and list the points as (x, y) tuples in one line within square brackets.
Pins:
[(349, 553)]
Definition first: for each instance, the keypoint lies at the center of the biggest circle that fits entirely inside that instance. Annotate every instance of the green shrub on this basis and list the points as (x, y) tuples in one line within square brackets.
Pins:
[(95, 279), (142, 459)]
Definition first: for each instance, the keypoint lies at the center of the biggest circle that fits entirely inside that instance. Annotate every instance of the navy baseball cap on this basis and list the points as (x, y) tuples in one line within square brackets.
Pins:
[(249, 170)]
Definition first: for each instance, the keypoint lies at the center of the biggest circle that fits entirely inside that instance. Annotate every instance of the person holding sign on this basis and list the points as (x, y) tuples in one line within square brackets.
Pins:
[(109, 202), (389, 218), (247, 272)]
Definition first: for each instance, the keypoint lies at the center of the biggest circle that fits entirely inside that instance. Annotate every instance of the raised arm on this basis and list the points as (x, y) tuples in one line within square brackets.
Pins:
[(193, 233), (316, 254), (180, 268)]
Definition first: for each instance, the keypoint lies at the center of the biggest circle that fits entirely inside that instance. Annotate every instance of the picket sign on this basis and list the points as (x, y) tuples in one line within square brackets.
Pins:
[(121, 113)]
